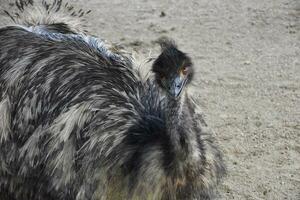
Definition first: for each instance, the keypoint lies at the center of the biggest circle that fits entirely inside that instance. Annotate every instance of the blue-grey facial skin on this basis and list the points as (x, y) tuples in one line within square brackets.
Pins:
[(177, 86)]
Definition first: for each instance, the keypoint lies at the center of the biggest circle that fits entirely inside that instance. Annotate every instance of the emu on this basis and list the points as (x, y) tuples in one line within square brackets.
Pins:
[(79, 121)]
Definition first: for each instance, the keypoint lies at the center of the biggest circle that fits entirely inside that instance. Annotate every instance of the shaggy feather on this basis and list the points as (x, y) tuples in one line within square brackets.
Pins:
[(55, 16), (79, 121)]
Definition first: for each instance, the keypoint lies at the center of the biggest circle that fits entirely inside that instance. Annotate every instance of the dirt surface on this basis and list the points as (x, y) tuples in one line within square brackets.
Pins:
[(247, 55)]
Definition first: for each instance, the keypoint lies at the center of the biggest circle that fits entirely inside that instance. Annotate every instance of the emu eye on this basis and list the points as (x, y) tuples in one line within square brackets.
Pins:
[(184, 70)]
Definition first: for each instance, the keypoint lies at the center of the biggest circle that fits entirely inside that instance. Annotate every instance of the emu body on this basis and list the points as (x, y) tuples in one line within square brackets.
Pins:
[(78, 121)]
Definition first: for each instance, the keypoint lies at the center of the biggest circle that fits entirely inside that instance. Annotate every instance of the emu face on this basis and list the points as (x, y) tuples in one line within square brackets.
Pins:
[(173, 69)]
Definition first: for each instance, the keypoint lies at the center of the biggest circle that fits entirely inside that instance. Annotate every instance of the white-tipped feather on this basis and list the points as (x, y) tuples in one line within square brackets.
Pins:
[(82, 120), (40, 13), (5, 119)]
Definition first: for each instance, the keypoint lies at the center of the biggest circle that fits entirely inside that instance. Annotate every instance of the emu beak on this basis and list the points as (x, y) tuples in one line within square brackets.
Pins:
[(177, 86)]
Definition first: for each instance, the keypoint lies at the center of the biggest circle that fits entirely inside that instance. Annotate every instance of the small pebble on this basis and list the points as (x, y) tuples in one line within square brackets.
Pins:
[(258, 123), (265, 192), (247, 62), (162, 14)]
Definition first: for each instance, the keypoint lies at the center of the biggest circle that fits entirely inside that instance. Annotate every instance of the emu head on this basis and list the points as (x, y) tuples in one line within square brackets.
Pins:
[(173, 69)]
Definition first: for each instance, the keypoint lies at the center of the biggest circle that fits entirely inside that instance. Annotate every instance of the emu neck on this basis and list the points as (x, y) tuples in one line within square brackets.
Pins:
[(175, 124)]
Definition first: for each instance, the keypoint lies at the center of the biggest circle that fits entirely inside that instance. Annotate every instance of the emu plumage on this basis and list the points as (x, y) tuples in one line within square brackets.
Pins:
[(78, 121)]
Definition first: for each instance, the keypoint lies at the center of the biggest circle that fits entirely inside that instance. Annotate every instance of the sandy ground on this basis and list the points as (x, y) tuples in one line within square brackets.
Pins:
[(247, 55)]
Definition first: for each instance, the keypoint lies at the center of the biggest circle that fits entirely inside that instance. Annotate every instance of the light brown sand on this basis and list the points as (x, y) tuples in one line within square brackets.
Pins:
[(247, 55)]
